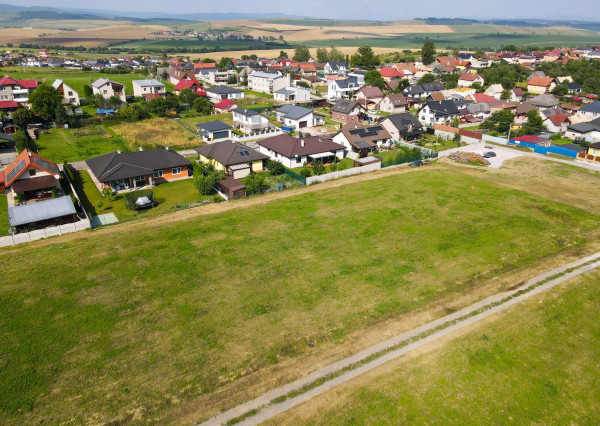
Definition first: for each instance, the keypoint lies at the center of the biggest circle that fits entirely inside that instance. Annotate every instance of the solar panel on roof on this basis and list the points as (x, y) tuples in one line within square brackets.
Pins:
[(362, 144), (44, 164), (244, 154), (14, 172)]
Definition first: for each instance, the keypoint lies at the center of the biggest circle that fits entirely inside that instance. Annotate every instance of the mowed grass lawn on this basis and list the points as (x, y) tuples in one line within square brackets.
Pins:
[(147, 321), (76, 79), (170, 196), (536, 364), (4, 223), (60, 145)]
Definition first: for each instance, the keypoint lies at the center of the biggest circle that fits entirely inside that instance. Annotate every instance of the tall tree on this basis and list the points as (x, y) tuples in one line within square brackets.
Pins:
[(427, 78), (301, 54), (373, 77), (335, 55), (428, 52), (283, 54), (22, 117), (44, 101), (534, 124), (365, 58), (322, 55)]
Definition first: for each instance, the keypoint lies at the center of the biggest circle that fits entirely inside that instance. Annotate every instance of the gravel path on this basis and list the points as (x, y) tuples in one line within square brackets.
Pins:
[(270, 411)]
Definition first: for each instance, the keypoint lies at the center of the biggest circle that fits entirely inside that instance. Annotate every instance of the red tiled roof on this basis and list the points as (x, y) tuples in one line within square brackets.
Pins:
[(205, 65), (390, 72), (150, 96), (29, 158), (28, 84), (482, 97), (469, 76), (187, 84), (9, 104), (540, 81), (6, 80), (225, 103), (558, 119)]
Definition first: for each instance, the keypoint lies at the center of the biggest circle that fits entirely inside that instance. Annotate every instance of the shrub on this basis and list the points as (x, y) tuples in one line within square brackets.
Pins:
[(318, 168), (254, 183), (556, 136), (275, 167), (305, 172)]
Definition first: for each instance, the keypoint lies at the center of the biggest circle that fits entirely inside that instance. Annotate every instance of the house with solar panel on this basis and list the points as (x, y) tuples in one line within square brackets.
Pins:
[(35, 198), (363, 139), (233, 158), (295, 152)]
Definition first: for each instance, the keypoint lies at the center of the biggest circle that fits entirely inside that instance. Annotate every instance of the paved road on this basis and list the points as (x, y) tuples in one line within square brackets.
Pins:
[(270, 411), (505, 153)]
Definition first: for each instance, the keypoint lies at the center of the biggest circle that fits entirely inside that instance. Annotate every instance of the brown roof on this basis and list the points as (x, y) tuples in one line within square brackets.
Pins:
[(518, 91), (397, 99), (230, 184), (34, 184), (469, 76), (438, 96), (230, 153), (371, 92), (540, 81), (290, 146), (524, 108), (370, 134)]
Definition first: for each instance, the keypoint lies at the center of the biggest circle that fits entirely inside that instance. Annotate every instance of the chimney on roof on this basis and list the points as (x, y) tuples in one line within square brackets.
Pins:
[(141, 149), (118, 151), (166, 148), (302, 143)]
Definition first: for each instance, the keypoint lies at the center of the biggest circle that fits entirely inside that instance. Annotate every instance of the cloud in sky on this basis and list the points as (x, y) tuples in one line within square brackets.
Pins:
[(353, 9)]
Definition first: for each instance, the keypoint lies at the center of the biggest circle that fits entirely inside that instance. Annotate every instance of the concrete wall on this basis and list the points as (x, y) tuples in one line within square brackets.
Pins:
[(39, 234)]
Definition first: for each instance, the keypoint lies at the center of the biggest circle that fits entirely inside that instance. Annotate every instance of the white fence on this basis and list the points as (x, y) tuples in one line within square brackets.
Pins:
[(344, 173), (274, 132), (495, 139), (27, 237)]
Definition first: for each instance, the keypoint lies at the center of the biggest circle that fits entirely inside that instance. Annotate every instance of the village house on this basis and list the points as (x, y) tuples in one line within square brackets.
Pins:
[(363, 139), (393, 103), (590, 112), (495, 91), (214, 131), (295, 152), (218, 93), (193, 85), (298, 117), (233, 158), (541, 85), (423, 90), (586, 131), (69, 95), (591, 153), (123, 171), (347, 111), (342, 87), (226, 105), (269, 83), (16, 90), (557, 123), (292, 94), (369, 97), (107, 89), (335, 68), (468, 79), (517, 94), (148, 87), (249, 121), (438, 112), (403, 127)]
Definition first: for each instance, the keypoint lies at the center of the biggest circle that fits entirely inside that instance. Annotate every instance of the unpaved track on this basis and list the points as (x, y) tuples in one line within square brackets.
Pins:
[(269, 411)]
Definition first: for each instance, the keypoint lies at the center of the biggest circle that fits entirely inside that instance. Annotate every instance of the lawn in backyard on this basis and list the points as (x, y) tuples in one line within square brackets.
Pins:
[(76, 79), (70, 145), (170, 196), (149, 319), (533, 365), (4, 223)]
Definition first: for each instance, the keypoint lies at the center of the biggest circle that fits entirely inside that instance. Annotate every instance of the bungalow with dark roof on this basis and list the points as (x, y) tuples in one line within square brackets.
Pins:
[(295, 152), (218, 93), (298, 117), (214, 131), (123, 171), (233, 158)]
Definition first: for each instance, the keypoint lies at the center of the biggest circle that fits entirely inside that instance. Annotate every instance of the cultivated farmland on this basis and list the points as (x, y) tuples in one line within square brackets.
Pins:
[(163, 321)]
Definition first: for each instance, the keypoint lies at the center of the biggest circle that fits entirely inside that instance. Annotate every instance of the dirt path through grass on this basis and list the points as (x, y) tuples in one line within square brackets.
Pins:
[(276, 401)]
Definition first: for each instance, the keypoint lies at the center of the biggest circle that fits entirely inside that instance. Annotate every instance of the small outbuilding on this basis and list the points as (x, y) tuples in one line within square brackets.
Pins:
[(233, 188)]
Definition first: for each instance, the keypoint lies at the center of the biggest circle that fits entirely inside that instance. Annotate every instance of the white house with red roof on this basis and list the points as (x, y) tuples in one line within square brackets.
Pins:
[(16, 90), (468, 79), (194, 85)]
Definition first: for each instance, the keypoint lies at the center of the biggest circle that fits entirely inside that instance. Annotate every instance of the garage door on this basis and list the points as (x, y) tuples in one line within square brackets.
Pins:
[(303, 124), (221, 135)]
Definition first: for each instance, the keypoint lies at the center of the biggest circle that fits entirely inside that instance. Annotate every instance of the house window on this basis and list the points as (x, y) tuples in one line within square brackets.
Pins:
[(176, 170), (158, 173)]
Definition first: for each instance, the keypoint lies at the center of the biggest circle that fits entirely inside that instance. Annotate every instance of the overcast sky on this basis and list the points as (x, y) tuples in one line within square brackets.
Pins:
[(352, 9)]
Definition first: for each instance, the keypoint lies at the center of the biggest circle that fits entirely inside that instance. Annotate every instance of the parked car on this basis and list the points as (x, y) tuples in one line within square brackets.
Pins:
[(489, 154), (417, 163)]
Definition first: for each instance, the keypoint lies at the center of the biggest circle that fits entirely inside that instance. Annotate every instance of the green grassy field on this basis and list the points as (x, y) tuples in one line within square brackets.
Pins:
[(60, 145), (463, 40), (74, 78), (171, 197), (149, 319), (209, 45), (531, 366), (4, 224)]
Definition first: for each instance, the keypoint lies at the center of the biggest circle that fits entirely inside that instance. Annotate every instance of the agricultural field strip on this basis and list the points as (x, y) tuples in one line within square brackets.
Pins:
[(263, 407)]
